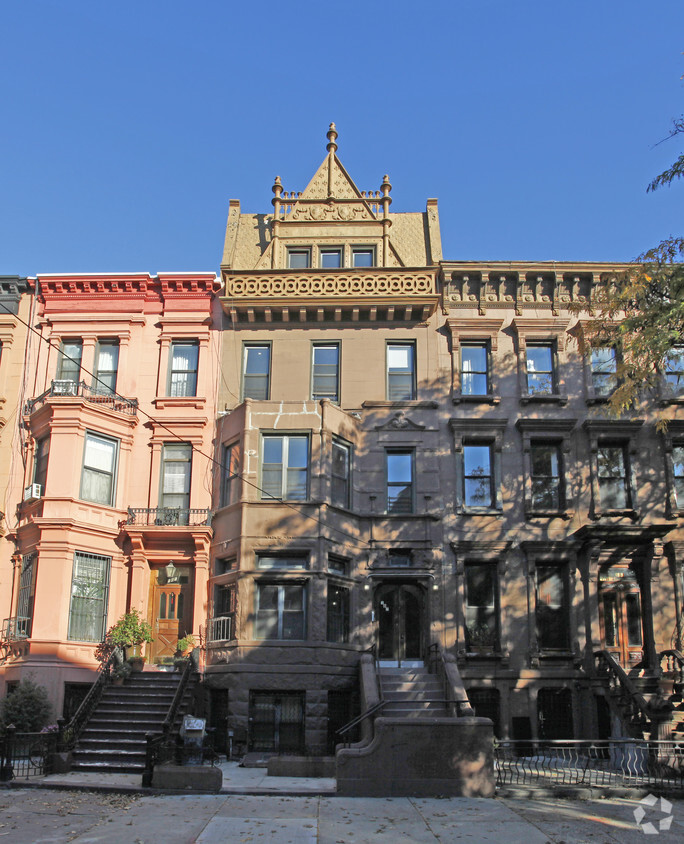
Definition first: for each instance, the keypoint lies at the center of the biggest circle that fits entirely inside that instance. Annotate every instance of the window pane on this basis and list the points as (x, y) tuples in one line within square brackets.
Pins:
[(474, 370), (633, 608), (331, 258), (69, 366), (107, 365), (176, 470), (399, 467), (88, 604), (603, 369), (540, 369), (674, 369), (612, 478), (400, 372), (325, 372), (480, 610), (400, 482), (98, 469), (298, 259), (256, 374), (552, 608), (610, 620), (340, 474), (363, 257)]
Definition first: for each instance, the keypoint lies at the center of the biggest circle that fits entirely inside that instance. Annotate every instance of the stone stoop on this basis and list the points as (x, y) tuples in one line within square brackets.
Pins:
[(114, 739), (412, 693)]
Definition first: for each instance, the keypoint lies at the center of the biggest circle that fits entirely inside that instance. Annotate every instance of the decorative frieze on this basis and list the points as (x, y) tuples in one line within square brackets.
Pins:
[(335, 285)]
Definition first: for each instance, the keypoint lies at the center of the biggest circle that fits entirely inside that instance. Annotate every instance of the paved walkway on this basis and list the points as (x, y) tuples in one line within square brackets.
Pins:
[(44, 816)]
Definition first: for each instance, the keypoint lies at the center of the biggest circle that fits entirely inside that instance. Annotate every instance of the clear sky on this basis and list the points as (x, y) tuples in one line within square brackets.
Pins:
[(127, 126)]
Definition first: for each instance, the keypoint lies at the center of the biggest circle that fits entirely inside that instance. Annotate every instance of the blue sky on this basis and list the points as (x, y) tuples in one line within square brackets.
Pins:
[(128, 126)]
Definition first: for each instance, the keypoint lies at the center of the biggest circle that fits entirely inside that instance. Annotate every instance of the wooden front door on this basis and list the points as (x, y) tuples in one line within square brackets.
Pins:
[(171, 610), (621, 627), (399, 613)]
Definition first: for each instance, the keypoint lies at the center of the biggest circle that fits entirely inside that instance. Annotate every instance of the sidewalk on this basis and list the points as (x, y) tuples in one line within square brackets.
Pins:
[(236, 780), (45, 816)]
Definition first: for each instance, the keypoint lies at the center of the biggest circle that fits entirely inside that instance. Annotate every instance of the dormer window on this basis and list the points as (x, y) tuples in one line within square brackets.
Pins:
[(363, 256), (330, 259), (298, 259)]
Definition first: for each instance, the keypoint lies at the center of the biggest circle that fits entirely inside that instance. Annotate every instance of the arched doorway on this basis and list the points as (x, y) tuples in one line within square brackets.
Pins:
[(621, 615), (399, 612)]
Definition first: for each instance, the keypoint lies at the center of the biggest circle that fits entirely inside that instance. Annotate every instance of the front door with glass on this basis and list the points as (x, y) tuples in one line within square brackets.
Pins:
[(171, 610), (399, 616), (620, 605)]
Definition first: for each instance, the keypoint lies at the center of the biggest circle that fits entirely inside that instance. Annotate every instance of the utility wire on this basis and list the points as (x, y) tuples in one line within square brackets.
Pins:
[(194, 448)]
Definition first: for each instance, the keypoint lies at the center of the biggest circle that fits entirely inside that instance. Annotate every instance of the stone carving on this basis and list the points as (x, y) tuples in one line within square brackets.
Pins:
[(334, 285), (399, 422)]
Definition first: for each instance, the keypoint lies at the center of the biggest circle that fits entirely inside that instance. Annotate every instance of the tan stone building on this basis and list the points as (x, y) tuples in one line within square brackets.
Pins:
[(417, 460)]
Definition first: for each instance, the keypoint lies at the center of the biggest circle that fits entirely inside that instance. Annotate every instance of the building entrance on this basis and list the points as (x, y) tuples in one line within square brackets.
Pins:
[(399, 611), (620, 603), (170, 610)]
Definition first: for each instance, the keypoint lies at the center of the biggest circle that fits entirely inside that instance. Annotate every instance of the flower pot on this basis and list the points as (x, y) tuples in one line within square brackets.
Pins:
[(133, 651), (136, 663)]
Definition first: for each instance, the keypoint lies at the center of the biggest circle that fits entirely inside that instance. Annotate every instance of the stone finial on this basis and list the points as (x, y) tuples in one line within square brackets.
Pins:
[(277, 186), (332, 137)]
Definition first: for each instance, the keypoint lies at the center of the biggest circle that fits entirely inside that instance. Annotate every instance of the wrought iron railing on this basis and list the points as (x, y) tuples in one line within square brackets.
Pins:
[(79, 389), (27, 755), (613, 762), (17, 627), (168, 516), (355, 722), (220, 629), (634, 708), (70, 732), (161, 747)]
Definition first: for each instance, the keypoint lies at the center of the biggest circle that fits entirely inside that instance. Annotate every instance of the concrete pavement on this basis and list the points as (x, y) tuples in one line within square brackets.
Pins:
[(44, 816)]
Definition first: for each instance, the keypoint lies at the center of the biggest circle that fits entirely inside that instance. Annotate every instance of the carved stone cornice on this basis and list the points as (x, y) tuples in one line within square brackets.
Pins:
[(382, 294)]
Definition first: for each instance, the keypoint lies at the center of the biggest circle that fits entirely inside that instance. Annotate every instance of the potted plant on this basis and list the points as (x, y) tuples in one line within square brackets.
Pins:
[(130, 632), (121, 672), (184, 647)]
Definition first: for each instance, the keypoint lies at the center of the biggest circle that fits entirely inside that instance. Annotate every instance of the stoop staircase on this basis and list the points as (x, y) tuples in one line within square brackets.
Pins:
[(412, 693), (113, 740)]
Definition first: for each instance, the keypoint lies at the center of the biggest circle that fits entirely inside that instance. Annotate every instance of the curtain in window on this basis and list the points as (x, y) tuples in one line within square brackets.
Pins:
[(184, 370)]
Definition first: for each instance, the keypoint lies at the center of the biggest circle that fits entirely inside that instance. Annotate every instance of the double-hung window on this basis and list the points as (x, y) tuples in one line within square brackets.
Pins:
[(69, 365), (183, 368), (285, 467), (401, 372), (678, 475), (256, 371), (540, 369), (106, 366), (613, 477), (552, 608), (98, 478), (340, 486), (231, 474), (298, 259), (546, 476), (89, 590), (27, 592), (280, 611), (338, 614), (674, 370), (474, 369), (603, 371), (400, 481), (330, 258), (325, 377), (481, 607), (175, 479), (478, 475), (40, 462), (363, 256)]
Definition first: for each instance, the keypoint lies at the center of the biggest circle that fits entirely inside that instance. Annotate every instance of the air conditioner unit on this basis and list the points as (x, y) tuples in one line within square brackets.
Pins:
[(32, 492), (64, 388)]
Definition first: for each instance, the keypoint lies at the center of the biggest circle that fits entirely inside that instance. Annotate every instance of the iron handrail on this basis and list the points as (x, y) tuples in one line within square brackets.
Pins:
[(69, 733), (360, 718), (617, 672), (66, 388), (168, 516)]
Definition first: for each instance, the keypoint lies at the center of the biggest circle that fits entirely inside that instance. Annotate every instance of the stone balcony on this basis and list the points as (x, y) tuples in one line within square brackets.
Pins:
[(321, 295)]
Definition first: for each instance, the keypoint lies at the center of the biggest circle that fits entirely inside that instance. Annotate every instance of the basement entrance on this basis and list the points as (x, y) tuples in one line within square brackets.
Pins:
[(399, 612)]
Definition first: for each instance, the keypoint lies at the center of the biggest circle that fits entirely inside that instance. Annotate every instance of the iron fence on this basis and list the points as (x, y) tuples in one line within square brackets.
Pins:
[(27, 755), (220, 629), (168, 516), (614, 762)]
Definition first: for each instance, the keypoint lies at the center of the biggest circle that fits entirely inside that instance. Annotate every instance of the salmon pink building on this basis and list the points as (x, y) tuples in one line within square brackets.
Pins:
[(117, 439)]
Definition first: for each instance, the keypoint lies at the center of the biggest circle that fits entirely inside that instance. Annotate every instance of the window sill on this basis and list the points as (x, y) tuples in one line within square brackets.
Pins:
[(162, 402), (480, 511), (433, 405), (488, 399), (549, 514), (543, 398), (617, 514)]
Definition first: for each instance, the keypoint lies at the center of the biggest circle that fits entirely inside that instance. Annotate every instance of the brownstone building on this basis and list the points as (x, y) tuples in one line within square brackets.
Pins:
[(418, 463)]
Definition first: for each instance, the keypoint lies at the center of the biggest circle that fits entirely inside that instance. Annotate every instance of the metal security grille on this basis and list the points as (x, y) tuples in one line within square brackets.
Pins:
[(27, 585), (89, 592)]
